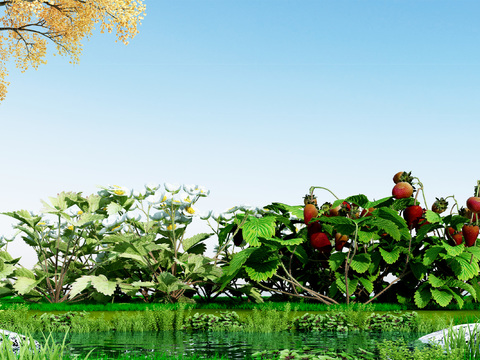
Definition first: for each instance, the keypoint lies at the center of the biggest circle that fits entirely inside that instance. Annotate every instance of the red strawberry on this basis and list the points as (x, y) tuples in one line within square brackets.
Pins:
[(473, 204), (309, 212), (455, 235), (368, 212), (318, 239), (340, 241), (402, 190), (412, 215), (468, 214), (470, 233), (396, 177), (402, 176), (421, 222)]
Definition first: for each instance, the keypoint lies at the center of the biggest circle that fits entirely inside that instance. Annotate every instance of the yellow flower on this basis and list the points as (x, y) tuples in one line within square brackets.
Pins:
[(80, 212), (70, 227), (41, 223), (170, 227), (190, 210)]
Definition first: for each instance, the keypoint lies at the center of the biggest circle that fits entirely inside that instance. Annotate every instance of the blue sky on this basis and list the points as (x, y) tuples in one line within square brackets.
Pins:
[(256, 100)]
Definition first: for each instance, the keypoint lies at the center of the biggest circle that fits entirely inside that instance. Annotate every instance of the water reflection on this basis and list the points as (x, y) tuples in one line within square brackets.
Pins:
[(235, 345)]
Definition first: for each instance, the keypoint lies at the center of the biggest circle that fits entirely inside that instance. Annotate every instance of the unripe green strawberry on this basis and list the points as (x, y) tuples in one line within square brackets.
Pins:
[(309, 212), (473, 204), (470, 233), (440, 205), (402, 190)]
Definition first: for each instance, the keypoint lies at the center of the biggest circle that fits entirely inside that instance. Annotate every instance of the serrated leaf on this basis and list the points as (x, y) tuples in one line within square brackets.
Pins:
[(103, 285), (191, 241), (337, 202), (462, 267), (352, 285), (475, 250), (239, 259), (113, 208), (24, 285), (462, 285), (392, 256), (400, 204), (442, 297), (419, 270), (24, 272), (384, 202), (457, 298), (435, 281), (361, 262), (296, 210), (365, 237), (431, 254), (360, 200), (367, 284), (433, 217), (336, 260), (263, 270), (7, 270), (254, 228), (79, 285), (198, 249), (422, 297), (299, 252), (386, 225), (453, 250), (284, 242)]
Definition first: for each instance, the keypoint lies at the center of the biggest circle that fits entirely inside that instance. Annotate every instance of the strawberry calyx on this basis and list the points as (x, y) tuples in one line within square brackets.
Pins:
[(440, 205)]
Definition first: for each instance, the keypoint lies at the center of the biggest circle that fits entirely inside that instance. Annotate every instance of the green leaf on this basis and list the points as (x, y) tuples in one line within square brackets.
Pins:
[(431, 254), (300, 253), (365, 237), (433, 217), (390, 257), (263, 270), (93, 203), (337, 202), (419, 270), (352, 285), (462, 267), (254, 228), (198, 249), (462, 285), (435, 281), (24, 285), (239, 259), (296, 211), (7, 270), (457, 297), (386, 225), (191, 241), (400, 204), (361, 262), (114, 208), (360, 200), (24, 272), (367, 284), (453, 250), (384, 202), (443, 298), (336, 260), (422, 297), (287, 242), (103, 285), (475, 250)]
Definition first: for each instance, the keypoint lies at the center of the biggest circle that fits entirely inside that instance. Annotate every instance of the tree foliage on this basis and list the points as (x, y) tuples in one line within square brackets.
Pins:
[(27, 26)]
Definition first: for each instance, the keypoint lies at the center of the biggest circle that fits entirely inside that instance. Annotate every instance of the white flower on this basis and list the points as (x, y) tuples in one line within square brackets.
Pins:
[(113, 220), (205, 214), (172, 188), (159, 215), (152, 187), (132, 216), (157, 198), (196, 190), (190, 211), (177, 201), (221, 216), (231, 210)]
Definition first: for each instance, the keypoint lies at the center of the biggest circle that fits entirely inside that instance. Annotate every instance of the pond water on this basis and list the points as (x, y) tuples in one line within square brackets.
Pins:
[(234, 345)]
